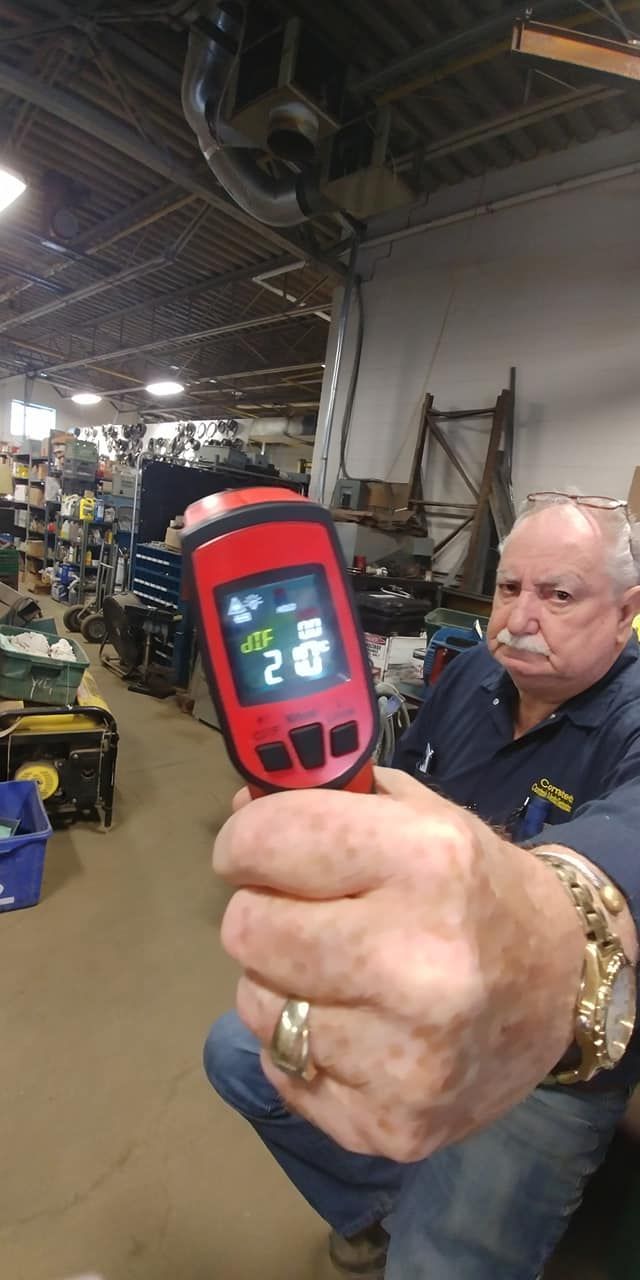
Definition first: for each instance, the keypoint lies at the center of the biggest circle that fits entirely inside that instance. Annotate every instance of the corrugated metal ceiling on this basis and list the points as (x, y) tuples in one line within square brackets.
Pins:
[(461, 104)]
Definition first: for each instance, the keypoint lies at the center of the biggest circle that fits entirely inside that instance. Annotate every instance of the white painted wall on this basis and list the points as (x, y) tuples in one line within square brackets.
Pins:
[(68, 415), (551, 286)]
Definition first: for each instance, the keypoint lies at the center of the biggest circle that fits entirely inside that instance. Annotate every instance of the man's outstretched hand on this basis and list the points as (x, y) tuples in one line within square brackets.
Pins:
[(442, 963)]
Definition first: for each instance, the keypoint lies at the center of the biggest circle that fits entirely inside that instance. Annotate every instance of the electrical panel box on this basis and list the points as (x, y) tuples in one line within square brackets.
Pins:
[(351, 495)]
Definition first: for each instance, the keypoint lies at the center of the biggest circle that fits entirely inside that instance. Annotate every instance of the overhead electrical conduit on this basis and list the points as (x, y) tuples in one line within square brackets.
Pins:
[(215, 42)]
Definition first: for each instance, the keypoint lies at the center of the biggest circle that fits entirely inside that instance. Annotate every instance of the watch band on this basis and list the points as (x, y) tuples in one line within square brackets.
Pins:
[(592, 914), (610, 897), (594, 899)]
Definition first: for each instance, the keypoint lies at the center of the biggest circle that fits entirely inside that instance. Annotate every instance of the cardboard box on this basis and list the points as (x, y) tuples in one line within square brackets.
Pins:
[(32, 581), (36, 496), (35, 547), (379, 496), (173, 539), (6, 478)]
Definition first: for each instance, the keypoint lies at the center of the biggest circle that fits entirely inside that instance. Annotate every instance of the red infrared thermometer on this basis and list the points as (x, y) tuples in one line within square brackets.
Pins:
[(281, 642)]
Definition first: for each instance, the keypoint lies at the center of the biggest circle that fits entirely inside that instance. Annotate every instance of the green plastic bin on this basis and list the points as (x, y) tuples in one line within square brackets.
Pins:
[(26, 678), (9, 566), (46, 625), (452, 618)]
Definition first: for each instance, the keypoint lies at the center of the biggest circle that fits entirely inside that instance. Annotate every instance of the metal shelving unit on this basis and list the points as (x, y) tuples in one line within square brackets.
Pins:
[(50, 512), (27, 460), (85, 572)]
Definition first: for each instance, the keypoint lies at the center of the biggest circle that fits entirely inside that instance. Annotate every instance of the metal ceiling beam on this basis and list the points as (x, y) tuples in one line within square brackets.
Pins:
[(95, 240), (202, 386), (279, 368), (532, 114), (477, 56), (31, 348), (107, 129), (208, 284), (445, 48), (11, 269), (218, 386), (561, 45), (88, 291), (239, 326), (64, 17)]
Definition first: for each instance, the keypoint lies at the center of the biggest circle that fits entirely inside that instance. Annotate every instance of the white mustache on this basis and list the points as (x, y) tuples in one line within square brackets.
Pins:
[(528, 644)]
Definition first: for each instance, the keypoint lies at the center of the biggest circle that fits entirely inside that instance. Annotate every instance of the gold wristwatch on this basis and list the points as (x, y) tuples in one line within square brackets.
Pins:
[(606, 1004)]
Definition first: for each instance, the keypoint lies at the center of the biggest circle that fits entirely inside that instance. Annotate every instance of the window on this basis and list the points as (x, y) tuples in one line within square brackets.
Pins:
[(32, 421)]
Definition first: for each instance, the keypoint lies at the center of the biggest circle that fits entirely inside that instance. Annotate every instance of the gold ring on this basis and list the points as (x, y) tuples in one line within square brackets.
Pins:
[(291, 1043)]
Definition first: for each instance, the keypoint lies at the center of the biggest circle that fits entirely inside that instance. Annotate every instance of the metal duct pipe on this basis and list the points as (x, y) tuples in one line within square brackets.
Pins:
[(290, 431), (319, 482), (215, 40)]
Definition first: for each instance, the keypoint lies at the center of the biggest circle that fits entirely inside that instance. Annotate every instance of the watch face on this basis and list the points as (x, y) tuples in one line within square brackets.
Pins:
[(621, 1013)]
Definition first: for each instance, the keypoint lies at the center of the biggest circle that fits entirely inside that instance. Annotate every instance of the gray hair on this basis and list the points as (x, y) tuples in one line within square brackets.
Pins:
[(621, 531)]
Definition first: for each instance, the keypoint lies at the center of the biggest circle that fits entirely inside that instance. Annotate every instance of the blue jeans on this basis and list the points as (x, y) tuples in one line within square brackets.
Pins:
[(493, 1206)]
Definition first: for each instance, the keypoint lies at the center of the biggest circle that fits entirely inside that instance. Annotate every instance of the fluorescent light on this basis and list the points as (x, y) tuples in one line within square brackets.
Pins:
[(165, 388), (86, 397), (11, 186)]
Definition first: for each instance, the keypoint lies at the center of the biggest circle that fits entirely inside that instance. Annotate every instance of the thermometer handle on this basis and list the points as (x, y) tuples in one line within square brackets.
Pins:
[(362, 784)]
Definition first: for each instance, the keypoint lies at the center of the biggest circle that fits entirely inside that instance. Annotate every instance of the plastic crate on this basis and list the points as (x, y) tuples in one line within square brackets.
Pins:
[(30, 678), (456, 639), (22, 855), (439, 618)]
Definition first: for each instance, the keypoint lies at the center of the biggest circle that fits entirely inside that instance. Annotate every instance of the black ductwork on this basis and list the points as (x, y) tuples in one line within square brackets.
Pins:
[(215, 41)]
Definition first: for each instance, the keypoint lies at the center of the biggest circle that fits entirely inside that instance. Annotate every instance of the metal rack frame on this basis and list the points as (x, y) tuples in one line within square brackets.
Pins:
[(30, 459), (83, 546)]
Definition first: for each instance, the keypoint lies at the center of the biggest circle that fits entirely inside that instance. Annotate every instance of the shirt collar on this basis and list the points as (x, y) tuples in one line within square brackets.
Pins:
[(585, 709)]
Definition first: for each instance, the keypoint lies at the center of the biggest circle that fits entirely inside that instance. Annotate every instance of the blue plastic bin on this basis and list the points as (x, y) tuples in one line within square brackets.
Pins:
[(22, 855), (449, 637)]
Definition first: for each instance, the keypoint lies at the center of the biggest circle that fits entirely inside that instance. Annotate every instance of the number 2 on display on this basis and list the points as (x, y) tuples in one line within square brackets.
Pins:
[(306, 656), (274, 658)]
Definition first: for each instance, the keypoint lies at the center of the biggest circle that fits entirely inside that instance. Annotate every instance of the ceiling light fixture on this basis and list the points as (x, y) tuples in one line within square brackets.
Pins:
[(86, 397), (11, 186), (165, 388)]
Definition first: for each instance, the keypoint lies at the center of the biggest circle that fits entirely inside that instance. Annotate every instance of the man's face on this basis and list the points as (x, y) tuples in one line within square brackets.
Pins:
[(558, 624)]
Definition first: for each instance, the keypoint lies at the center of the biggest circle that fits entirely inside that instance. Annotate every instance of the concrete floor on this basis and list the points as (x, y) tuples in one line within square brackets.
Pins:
[(115, 1156)]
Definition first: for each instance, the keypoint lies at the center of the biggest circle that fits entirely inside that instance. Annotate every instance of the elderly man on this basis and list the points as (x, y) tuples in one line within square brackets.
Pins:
[(467, 948)]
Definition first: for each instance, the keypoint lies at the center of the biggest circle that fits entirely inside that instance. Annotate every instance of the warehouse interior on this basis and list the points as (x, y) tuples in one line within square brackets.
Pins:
[(383, 256)]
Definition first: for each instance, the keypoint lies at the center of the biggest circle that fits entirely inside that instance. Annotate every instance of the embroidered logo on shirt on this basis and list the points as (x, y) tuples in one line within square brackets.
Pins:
[(426, 764), (555, 795)]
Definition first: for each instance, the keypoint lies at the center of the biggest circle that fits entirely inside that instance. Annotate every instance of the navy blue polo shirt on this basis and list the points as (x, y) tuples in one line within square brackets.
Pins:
[(580, 768)]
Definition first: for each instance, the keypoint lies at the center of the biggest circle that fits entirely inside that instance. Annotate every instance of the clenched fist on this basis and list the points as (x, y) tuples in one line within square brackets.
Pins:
[(441, 962)]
